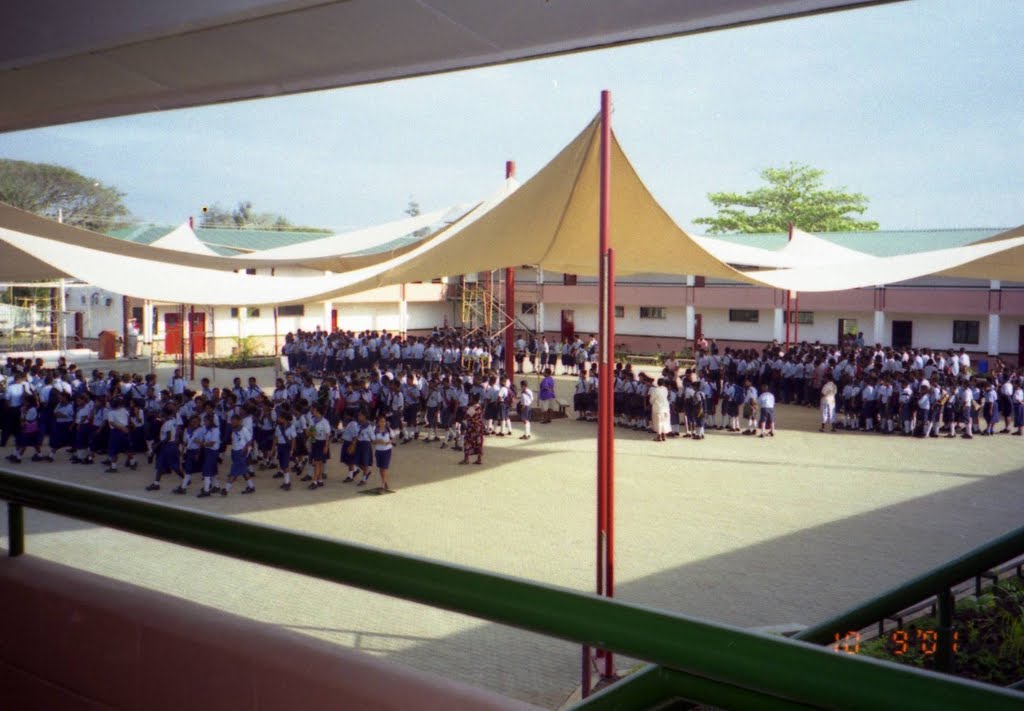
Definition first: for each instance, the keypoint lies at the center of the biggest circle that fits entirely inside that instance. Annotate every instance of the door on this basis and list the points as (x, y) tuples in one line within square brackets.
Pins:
[(334, 320), (197, 332), (568, 324), (79, 329), (698, 327), (847, 328), (902, 334), (172, 333)]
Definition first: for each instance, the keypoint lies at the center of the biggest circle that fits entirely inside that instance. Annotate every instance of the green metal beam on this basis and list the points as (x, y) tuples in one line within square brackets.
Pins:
[(772, 666), (978, 560)]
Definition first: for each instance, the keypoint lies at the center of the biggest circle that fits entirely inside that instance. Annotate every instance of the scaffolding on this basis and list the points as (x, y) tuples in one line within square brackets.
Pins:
[(33, 319), (483, 310)]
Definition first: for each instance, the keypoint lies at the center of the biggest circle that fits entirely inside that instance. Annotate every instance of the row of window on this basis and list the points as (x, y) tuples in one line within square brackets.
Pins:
[(651, 312), (291, 310)]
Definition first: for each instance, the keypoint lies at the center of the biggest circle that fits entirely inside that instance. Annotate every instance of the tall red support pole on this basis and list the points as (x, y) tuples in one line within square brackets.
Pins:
[(608, 406), (787, 319), (796, 321), (192, 342), (510, 299), (181, 340)]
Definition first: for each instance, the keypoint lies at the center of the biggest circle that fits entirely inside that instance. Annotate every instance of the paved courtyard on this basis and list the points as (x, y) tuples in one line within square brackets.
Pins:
[(746, 531)]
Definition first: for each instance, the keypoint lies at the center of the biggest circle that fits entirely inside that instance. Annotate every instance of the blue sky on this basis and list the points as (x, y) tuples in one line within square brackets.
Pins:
[(920, 105)]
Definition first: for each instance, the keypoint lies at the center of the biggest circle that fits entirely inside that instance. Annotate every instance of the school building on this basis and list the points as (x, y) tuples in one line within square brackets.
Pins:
[(654, 313)]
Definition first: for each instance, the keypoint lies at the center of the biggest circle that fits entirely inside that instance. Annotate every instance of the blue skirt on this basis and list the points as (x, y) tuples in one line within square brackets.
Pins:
[(83, 436), (383, 457), (209, 462), (239, 463), (284, 455), (193, 461), (319, 452), (61, 435), (167, 459), (118, 443), (364, 455), (346, 456)]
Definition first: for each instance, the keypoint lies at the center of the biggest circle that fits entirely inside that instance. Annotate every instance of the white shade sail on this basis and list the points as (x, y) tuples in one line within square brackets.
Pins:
[(183, 239)]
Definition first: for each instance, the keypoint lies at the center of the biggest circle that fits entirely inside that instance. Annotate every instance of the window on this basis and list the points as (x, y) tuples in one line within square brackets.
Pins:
[(250, 271), (569, 279), (966, 331), (528, 309), (802, 317), (744, 315), (620, 312), (251, 313), (293, 310), (652, 312)]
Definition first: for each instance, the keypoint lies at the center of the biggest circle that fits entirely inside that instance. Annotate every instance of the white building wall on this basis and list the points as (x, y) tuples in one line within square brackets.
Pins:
[(102, 310), (673, 325), (715, 323), (424, 315), (1009, 334), (933, 331)]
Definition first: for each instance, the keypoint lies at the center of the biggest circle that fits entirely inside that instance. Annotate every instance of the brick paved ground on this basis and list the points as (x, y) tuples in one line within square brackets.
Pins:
[(746, 531)]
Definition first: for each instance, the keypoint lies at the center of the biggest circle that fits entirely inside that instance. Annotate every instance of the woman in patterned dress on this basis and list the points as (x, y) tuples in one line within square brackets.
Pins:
[(474, 423)]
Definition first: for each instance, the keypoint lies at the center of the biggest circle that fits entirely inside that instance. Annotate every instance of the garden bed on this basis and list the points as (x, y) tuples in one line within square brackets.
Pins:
[(988, 638)]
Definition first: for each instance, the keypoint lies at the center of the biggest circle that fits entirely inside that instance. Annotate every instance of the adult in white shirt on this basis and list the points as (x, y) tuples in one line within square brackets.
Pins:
[(828, 403), (132, 344), (660, 414)]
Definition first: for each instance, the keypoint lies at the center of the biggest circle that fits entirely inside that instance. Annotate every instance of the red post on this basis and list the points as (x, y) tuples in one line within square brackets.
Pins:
[(796, 321), (510, 299), (787, 319), (192, 342), (606, 358), (608, 405), (181, 320)]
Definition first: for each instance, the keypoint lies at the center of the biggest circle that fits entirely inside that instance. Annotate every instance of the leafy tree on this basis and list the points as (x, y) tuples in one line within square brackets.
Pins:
[(243, 217), (413, 210), (54, 190), (794, 194)]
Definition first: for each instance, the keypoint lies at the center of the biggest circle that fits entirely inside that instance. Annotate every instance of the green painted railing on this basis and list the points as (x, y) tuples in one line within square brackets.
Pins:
[(701, 661)]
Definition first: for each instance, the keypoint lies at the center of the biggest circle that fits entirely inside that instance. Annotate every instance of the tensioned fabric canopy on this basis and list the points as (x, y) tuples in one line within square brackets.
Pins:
[(552, 222), (803, 250), (183, 239), (69, 60)]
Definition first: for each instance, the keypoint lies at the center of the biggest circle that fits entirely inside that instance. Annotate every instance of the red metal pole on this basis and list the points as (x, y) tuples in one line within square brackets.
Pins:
[(192, 342), (510, 299), (608, 406), (787, 319), (605, 432)]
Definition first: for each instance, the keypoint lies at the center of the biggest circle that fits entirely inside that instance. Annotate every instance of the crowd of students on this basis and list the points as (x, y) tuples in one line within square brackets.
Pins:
[(222, 436), (433, 395), (922, 392)]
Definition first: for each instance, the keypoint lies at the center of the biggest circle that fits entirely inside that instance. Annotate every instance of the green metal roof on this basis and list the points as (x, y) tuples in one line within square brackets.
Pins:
[(881, 243)]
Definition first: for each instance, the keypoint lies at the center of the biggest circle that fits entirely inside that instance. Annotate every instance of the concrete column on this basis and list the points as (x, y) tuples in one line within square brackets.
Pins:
[(880, 328), (540, 300), (326, 325), (243, 317), (993, 334), (147, 325), (779, 328), (403, 313), (691, 312)]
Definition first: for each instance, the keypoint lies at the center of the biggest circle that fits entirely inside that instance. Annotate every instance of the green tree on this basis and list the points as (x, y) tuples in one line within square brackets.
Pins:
[(243, 217), (54, 190), (413, 210), (794, 194)]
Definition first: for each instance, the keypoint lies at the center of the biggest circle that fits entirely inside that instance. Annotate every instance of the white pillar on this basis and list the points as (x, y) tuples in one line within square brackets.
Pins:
[(880, 328), (691, 311), (540, 300), (147, 323), (779, 325), (243, 316), (403, 313), (327, 316), (993, 334)]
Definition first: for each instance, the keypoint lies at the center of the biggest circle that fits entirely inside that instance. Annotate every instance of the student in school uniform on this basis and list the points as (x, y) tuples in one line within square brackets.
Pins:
[(321, 433), (383, 446), (766, 405), (209, 438), (284, 437), (63, 418), (348, 448), (1018, 407), (119, 439), (525, 408), (168, 457), (364, 448), (29, 433), (241, 445)]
